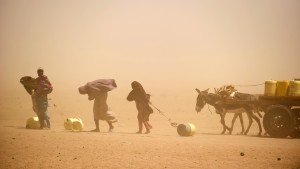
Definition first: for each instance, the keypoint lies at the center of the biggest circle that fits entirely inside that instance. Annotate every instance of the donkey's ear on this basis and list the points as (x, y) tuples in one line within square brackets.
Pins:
[(199, 92), (206, 91)]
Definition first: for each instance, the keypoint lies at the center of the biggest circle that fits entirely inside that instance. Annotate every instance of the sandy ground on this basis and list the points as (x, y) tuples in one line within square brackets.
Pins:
[(162, 148)]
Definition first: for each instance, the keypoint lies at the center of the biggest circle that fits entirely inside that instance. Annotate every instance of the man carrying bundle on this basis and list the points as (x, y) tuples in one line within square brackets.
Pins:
[(97, 90)]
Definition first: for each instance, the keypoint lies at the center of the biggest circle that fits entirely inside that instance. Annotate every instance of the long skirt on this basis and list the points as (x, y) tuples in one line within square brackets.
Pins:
[(101, 111), (41, 106)]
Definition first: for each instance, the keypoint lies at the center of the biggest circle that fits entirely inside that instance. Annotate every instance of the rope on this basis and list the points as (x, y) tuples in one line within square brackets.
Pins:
[(209, 108), (249, 85), (173, 124)]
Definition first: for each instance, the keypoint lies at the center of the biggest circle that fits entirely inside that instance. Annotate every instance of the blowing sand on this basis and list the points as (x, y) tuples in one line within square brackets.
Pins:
[(162, 148)]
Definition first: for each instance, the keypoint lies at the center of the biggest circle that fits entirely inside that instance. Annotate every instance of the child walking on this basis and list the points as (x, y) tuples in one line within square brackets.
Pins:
[(142, 100)]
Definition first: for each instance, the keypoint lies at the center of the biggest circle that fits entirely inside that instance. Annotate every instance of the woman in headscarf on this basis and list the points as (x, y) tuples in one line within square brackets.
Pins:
[(142, 100), (97, 91)]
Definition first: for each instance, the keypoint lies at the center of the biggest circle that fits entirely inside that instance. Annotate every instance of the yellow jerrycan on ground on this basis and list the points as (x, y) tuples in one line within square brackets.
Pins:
[(188, 129), (33, 123), (74, 124)]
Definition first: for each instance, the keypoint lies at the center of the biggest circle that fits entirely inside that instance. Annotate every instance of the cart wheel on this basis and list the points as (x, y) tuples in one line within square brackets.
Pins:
[(279, 121), (296, 132)]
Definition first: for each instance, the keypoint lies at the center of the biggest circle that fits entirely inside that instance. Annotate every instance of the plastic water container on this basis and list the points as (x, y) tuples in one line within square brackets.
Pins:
[(33, 123), (282, 88), (186, 129), (294, 88), (270, 87), (74, 124)]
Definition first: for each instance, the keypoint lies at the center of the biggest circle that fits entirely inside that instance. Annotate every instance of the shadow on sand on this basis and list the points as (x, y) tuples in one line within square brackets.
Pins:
[(262, 136), (17, 127)]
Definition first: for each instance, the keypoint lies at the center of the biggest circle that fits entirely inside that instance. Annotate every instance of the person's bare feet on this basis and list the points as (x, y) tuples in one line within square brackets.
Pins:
[(95, 130), (111, 129)]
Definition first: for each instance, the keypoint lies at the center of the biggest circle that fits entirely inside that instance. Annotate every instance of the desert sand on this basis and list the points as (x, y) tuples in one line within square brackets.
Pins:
[(162, 148), (171, 47)]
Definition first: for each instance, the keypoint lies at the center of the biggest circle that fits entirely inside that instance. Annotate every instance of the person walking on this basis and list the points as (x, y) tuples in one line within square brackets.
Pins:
[(142, 100), (98, 91), (43, 88)]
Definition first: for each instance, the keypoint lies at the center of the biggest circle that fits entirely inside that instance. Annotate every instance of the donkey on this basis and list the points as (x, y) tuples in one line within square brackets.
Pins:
[(221, 109)]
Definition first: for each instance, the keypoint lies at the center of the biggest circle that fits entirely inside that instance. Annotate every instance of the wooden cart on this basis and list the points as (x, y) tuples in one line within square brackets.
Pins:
[(282, 113)]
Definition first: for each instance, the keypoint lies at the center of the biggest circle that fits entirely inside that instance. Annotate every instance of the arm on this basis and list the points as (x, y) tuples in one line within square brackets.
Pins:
[(130, 96), (46, 85)]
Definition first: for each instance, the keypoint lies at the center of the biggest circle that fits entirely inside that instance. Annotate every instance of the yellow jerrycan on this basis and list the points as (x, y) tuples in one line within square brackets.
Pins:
[(74, 124), (188, 129), (33, 123)]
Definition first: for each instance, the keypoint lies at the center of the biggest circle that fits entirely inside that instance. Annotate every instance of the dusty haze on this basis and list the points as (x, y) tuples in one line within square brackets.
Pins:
[(171, 47)]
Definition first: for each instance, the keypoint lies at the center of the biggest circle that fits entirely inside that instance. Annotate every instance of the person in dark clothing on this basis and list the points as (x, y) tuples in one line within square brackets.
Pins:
[(142, 100), (43, 88)]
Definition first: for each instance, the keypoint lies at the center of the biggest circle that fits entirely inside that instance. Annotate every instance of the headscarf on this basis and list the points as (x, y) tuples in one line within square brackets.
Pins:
[(140, 92)]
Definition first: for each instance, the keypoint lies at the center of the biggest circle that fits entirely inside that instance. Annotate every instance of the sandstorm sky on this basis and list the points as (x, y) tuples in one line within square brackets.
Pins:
[(171, 44)]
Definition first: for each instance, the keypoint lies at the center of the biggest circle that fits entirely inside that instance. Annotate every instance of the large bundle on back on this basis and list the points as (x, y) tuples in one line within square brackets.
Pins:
[(230, 92), (94, 88), (225, 91), (29, 83)]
